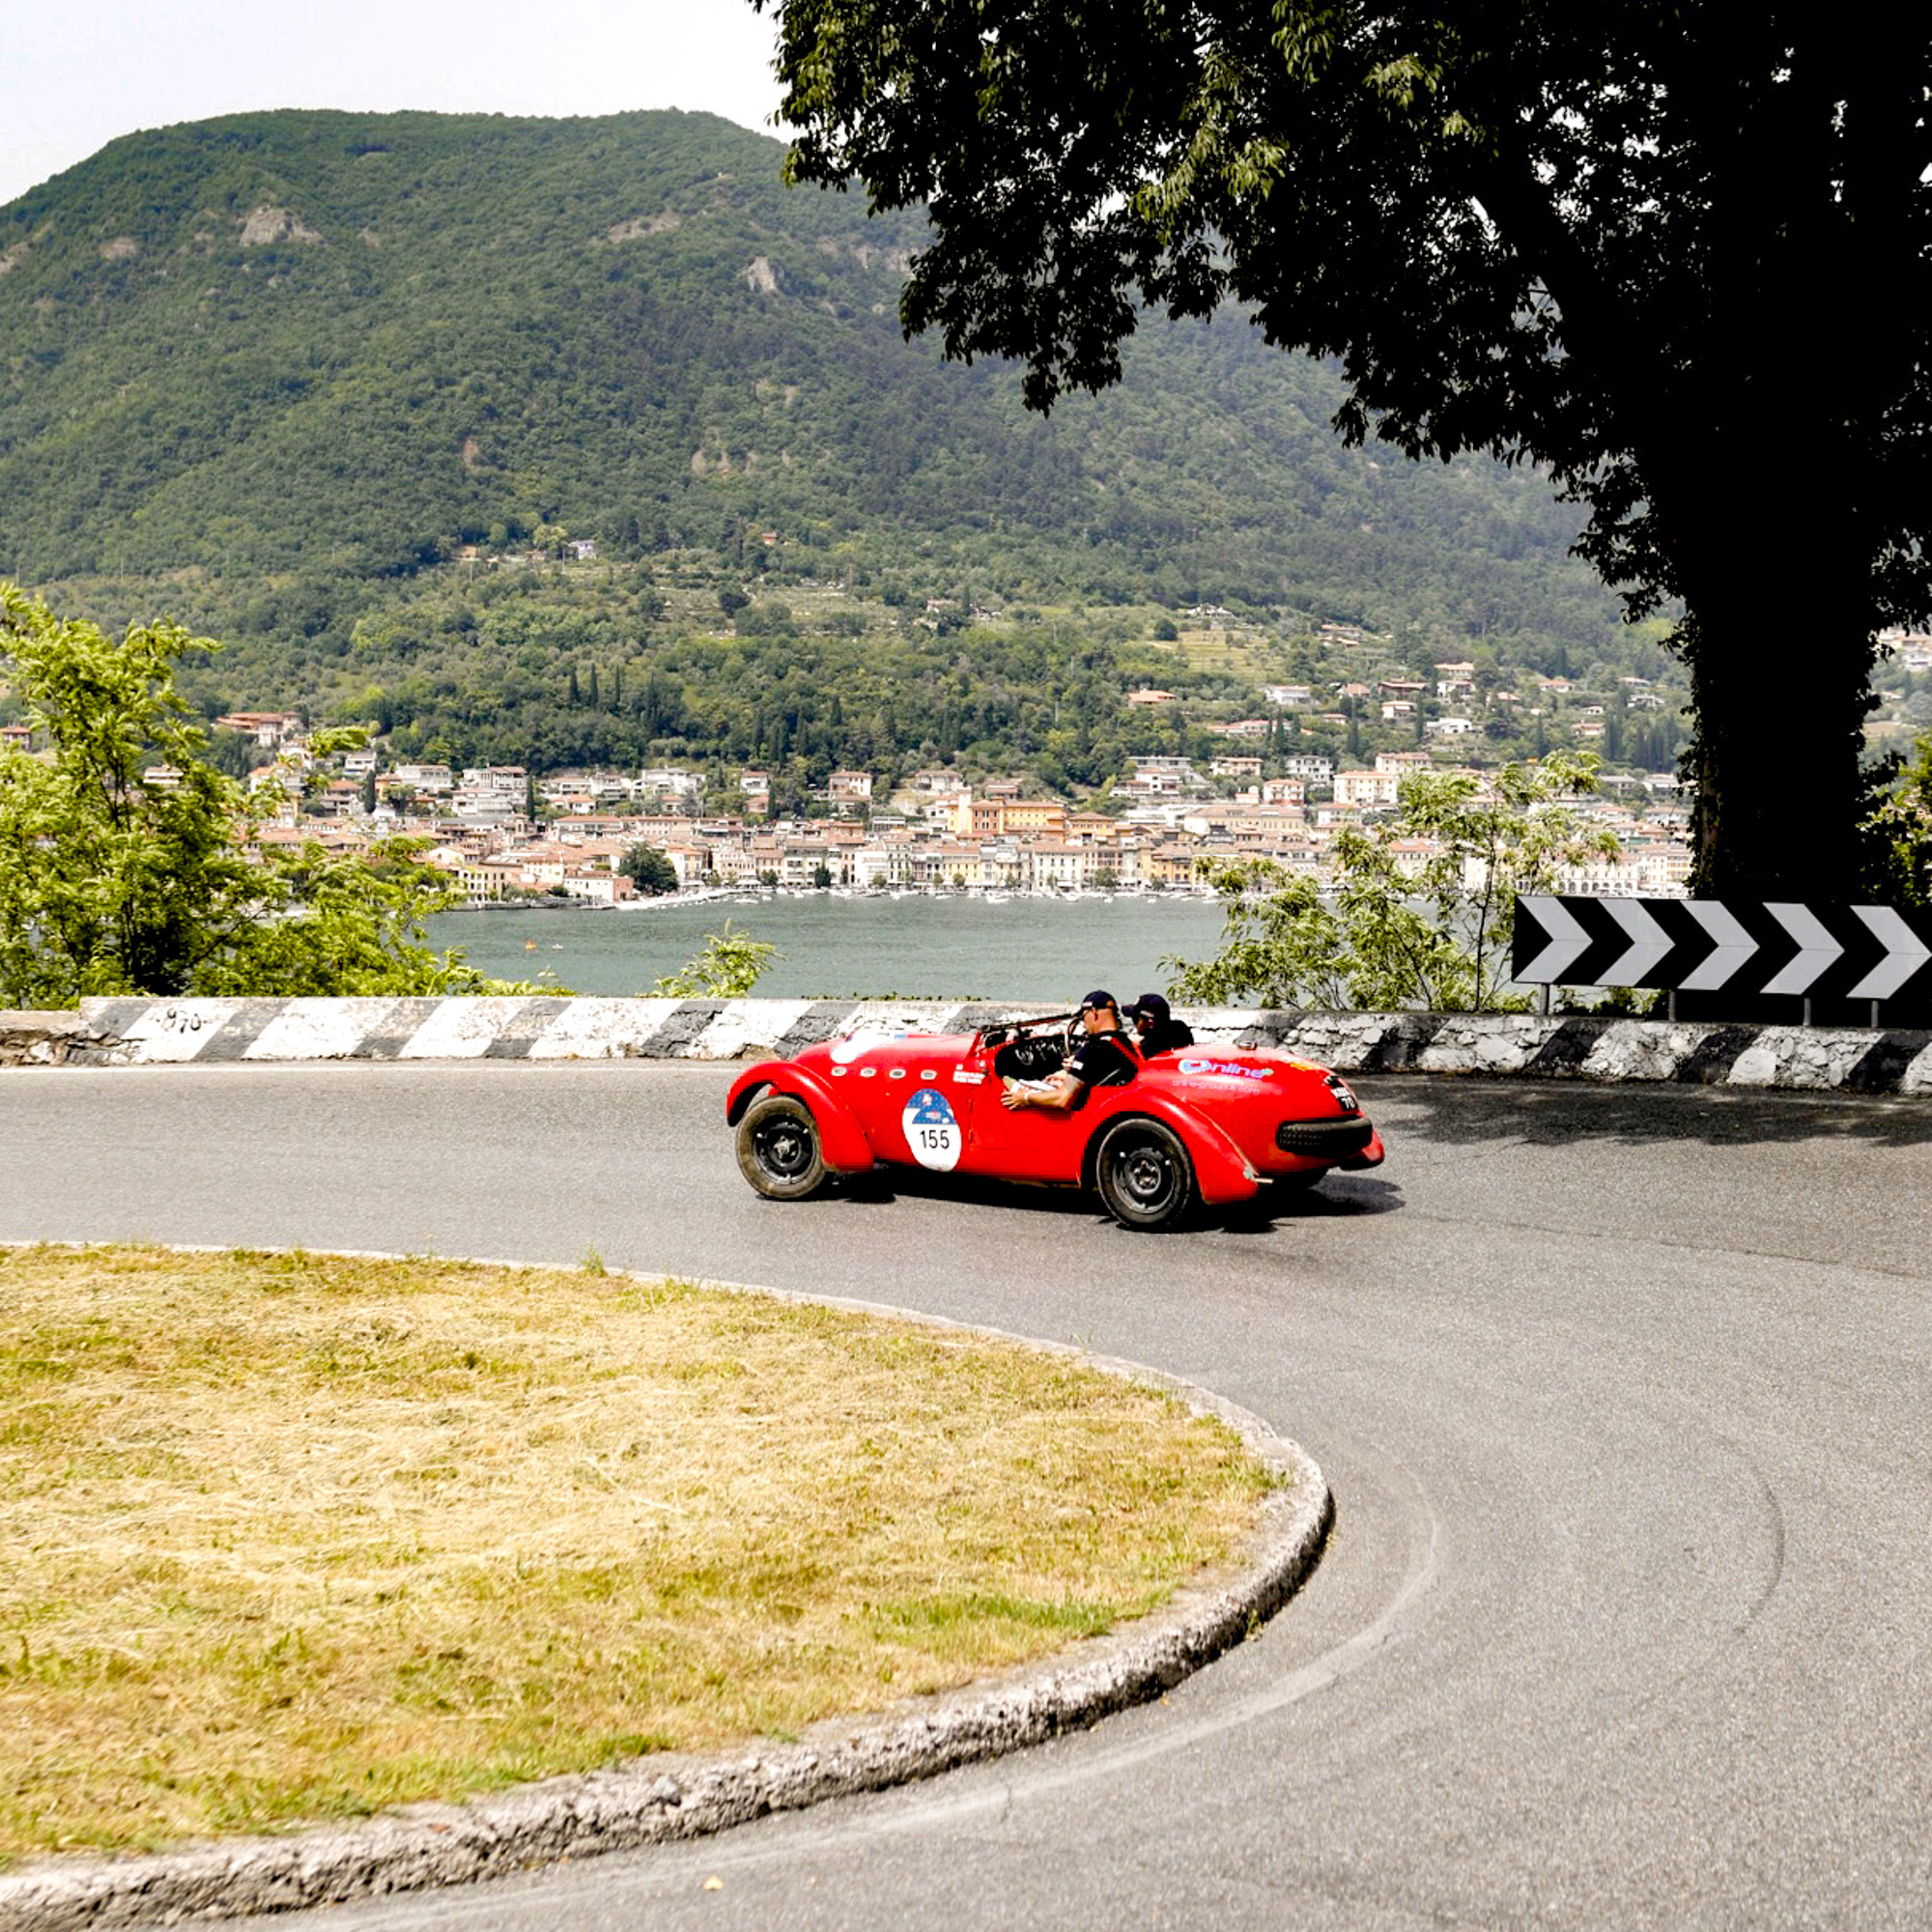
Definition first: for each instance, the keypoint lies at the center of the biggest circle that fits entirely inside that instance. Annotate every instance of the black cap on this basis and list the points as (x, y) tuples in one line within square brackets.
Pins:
[(1151, 1005), (1099, 998)]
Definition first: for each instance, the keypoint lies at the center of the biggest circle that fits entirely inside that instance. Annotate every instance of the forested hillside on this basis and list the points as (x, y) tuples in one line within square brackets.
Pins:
[(270, 373), (329, 342)]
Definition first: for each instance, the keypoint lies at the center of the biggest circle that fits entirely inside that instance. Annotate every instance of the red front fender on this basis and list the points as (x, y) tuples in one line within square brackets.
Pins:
[(1221, 1170), (842, 1140)]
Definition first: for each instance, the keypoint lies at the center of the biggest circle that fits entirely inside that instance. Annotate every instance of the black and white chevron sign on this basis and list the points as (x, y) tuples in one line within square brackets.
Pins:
[(1731, 945)]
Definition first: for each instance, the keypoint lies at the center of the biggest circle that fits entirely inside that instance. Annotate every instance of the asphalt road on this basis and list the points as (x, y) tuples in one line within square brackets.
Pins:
[(1622, 1393)]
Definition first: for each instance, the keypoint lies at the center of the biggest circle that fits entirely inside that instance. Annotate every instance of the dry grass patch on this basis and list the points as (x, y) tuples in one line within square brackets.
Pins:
[(295, 1536)]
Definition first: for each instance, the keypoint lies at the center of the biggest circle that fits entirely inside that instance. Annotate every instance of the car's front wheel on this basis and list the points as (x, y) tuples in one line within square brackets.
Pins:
[(1143, 1174), (777, 1147)]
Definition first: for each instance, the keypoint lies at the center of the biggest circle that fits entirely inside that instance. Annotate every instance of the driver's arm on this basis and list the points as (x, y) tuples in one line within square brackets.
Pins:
[(1054, 1096)]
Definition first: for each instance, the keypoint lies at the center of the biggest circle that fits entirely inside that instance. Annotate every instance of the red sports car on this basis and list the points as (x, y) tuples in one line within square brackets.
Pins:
[(1200, 1125)]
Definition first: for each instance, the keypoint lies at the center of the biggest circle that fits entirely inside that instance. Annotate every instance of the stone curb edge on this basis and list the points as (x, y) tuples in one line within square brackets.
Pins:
[(144, 1032), (658, 1799)]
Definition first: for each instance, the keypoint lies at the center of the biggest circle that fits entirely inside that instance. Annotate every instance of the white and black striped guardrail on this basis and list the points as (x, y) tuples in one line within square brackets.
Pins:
[(1744, 950), (136, 1031)]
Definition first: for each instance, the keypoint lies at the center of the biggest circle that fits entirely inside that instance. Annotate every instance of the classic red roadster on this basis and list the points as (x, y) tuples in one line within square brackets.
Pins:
[(1203, 1125)]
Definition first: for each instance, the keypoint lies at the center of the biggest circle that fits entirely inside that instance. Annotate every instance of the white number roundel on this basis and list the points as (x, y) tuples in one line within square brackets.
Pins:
[(932, 1130)]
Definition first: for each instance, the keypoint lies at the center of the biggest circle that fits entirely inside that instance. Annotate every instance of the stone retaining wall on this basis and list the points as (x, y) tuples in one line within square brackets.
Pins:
[(142, 1031)]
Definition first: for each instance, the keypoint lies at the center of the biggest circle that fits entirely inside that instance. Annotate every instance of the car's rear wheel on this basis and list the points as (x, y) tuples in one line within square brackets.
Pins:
[(1143, 1174), (777, 1147)]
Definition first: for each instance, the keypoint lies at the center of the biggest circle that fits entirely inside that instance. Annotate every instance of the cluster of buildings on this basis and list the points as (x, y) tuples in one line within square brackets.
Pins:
[(501, 833)]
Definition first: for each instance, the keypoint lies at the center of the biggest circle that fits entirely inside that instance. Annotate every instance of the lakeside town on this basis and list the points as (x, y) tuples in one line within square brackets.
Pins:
[(504, 834)]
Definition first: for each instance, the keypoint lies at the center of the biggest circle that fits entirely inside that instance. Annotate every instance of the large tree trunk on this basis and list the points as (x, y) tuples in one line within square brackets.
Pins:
[(1765, 544), (1779, 692)]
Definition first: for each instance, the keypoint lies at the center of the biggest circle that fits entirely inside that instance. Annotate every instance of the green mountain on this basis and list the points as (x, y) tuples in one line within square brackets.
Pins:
[(290, 352)]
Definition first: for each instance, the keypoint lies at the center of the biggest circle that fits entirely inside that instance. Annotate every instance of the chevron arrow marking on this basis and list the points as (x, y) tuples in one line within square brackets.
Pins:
[(1905, 953), (1649, 943), (1568, 941), (1732, 945), (1816, 949)]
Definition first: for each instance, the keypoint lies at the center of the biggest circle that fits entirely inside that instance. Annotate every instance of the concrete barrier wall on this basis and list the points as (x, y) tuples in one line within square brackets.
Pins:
[(144, 1032)]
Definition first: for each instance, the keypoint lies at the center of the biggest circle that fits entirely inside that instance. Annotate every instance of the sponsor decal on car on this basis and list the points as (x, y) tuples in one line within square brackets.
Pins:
[(1225, 1070), (932, 1130)]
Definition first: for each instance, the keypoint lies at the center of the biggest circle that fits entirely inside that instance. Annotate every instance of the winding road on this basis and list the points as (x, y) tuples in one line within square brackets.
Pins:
[(1622, 1394)]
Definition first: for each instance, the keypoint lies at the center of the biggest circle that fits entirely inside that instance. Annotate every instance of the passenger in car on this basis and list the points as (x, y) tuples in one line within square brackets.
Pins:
[(1103, 1058), (1156, 1028)]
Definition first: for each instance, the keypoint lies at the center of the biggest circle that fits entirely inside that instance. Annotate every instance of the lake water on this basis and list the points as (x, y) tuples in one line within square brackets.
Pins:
[(864, 948)]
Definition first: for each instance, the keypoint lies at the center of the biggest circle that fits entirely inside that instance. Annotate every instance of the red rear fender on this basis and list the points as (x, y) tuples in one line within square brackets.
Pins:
[(1221, 1170), (842, 1140)]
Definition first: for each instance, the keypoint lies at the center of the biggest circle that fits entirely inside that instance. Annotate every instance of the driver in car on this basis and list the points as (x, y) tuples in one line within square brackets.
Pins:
[(1103, 1058)]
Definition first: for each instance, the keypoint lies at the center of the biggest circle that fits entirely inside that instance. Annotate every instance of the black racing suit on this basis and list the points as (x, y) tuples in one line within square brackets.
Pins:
[(1101, 1060)]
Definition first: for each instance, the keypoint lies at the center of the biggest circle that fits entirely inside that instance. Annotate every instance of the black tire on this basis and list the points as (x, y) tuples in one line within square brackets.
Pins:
[(777, 1147), (1143, 1174)]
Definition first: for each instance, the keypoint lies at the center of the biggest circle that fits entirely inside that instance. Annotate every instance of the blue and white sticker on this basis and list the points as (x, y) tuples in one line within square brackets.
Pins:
[(932, 1130)]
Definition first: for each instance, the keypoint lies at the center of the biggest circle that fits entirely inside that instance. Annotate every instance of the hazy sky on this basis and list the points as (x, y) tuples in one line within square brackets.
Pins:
[(73, 78)]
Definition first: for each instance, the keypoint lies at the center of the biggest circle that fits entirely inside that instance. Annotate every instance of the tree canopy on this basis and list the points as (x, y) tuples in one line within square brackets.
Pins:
[(124, 860), (1642, 245), (492, 331), (649, 871)]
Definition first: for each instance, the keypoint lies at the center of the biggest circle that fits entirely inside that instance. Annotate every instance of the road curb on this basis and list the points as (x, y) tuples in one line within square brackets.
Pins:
[(659, 1798), (143, 1032)]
